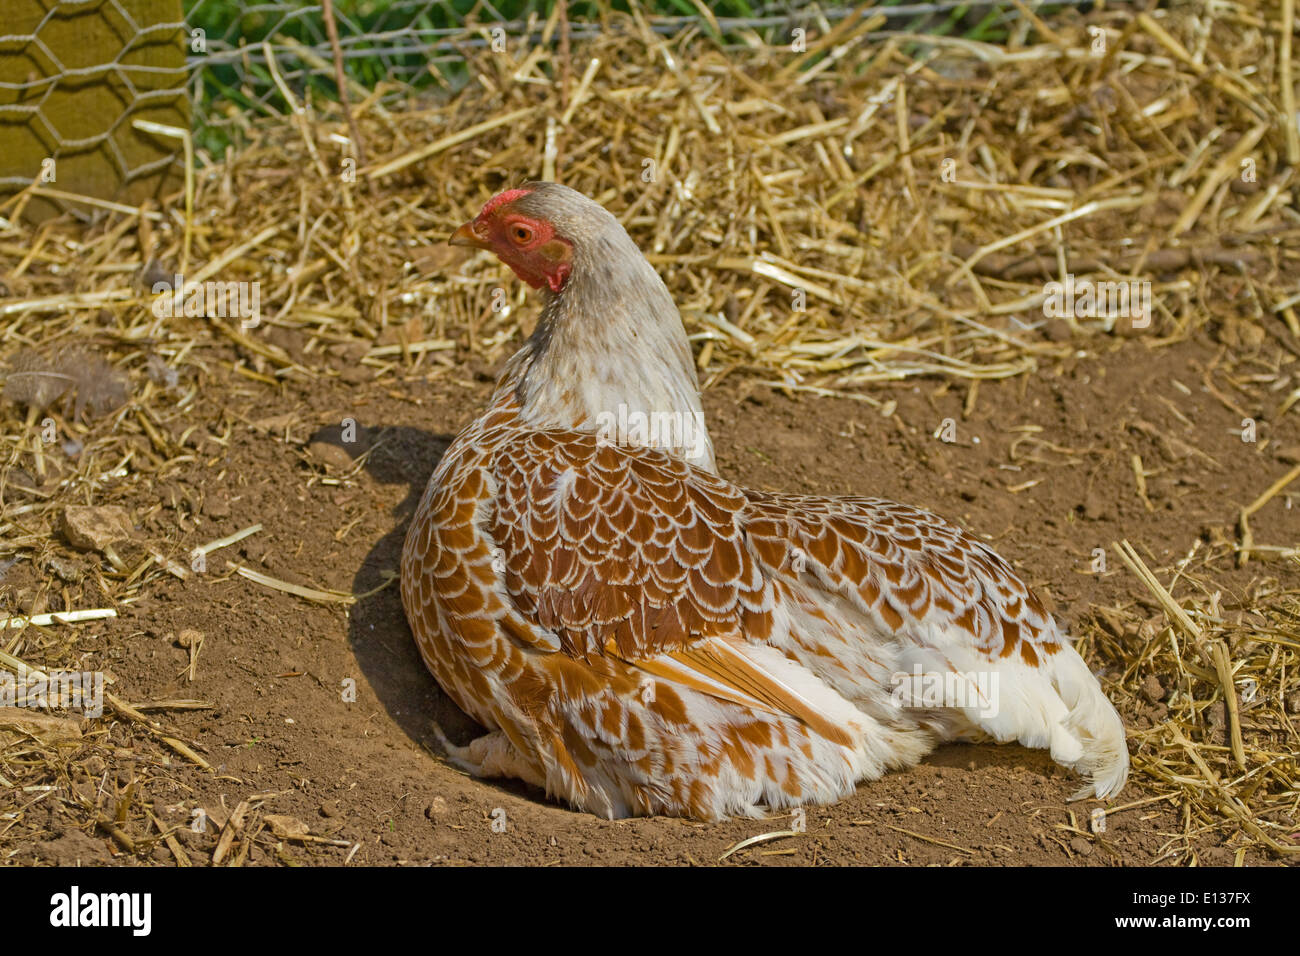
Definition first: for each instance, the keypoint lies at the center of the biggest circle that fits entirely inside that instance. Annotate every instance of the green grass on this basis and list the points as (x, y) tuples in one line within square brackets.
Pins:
[(248, 88)]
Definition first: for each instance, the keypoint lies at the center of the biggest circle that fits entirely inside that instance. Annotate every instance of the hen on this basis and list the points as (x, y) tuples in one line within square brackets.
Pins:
[(642, 636)]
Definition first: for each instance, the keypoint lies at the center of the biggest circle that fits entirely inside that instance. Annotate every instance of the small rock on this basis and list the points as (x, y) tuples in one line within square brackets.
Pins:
[(1252, 334), (436, 809), (69, 572), (1097, 507), (1239, 333), (214, 817), (1081, 846), (95, 527), (731, 308), (357, 374), (339, 445), (288, 341), (328, 811), (216, 506), (154, 273), (275, 425), (254, 549), (286, 828), (1290, 454), (1127, 326), (330, 455), (350, 354), (1057, 330), (189, 637), (1152, 689), (1218, 716)]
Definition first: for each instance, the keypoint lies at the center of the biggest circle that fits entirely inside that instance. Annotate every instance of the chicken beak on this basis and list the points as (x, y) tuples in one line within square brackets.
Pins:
[(468, 235)]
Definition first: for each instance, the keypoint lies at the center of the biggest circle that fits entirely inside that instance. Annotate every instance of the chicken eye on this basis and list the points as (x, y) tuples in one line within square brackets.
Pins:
[(522, 234)]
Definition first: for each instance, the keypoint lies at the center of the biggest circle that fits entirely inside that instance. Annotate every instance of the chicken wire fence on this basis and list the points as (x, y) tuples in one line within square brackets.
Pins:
[(406, 44), (93, 93)]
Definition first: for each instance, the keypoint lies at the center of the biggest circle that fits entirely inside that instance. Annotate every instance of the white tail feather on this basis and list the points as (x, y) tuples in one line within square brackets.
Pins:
[(1093, 721), (1058, 706)]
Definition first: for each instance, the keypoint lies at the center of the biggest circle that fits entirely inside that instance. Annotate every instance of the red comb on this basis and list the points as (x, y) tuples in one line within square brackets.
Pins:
[(510, 195)]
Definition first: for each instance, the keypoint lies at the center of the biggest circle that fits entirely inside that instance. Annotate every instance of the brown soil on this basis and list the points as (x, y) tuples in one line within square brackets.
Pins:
[(367, 774)]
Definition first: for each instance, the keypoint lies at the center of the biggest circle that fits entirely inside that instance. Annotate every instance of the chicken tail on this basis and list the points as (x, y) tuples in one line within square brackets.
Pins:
[(1092, 721), (1054, 704)]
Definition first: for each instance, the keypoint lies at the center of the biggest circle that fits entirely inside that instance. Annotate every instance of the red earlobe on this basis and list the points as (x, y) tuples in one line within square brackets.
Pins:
[(557, 278)]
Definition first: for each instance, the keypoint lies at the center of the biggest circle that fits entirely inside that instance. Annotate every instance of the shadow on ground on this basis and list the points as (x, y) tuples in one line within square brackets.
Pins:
[(378, 633)]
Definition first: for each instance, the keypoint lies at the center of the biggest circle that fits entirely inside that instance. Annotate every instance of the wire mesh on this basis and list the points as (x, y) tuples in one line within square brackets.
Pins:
[(241, 58), (74, 75)]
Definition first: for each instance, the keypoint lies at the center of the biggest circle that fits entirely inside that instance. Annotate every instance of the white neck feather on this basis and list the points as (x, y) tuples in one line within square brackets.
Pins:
[(610, 356)]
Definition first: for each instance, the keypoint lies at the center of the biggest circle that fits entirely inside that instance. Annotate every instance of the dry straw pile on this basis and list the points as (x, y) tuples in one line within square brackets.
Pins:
[(877, 207)]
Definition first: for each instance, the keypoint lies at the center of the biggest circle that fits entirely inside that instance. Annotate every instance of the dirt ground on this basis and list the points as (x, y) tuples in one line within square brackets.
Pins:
[(1041, 467)]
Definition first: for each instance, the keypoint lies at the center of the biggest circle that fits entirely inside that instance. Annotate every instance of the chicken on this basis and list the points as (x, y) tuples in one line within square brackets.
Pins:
[(640, 635)]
